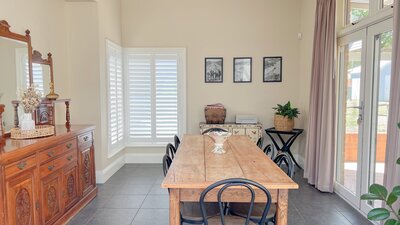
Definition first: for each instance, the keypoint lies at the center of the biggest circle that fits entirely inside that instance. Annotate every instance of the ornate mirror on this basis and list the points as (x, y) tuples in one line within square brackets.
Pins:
[(15, 69), (42, 74)]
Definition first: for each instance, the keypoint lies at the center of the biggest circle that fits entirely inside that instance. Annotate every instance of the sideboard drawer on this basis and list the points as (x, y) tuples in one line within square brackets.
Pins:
[(54, 152), (58, 163), (85, 139), (20, 166), (253, 134)]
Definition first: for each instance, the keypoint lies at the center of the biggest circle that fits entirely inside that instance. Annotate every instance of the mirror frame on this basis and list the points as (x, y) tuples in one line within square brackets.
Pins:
[(5, 32), (38, 59)]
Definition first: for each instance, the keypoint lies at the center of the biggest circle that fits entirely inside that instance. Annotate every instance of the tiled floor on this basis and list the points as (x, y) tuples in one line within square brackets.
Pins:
[(133, 196)]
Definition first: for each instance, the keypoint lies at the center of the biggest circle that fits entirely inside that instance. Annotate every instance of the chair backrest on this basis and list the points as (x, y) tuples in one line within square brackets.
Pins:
[(167, 161), (269, 149), (260, 142), (170, 150), (214, 129), (177, 142), (235, 182), (284, 158)]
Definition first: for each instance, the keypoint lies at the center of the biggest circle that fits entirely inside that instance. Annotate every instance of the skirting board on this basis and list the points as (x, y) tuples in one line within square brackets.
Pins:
[(144, 157), (103, 175)]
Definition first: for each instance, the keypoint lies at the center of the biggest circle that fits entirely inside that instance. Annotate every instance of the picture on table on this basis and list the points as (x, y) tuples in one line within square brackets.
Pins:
[(273, 69), (214, 70), (242, 69)]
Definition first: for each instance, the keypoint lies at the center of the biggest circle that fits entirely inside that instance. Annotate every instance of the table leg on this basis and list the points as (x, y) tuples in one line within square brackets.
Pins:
[(282, 208), (174, 207)]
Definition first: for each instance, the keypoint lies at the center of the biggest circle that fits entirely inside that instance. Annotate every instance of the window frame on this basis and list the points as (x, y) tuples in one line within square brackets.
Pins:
[(181, 76), (113, 149), (376, 9)]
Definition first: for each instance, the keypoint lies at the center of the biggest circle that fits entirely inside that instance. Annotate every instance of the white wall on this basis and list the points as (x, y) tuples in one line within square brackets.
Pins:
[(229, 28)]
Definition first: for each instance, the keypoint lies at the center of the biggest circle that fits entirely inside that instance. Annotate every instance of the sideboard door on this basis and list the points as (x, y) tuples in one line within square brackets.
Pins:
[(86, 170), (70, 186), (22, 204), (51, 197)]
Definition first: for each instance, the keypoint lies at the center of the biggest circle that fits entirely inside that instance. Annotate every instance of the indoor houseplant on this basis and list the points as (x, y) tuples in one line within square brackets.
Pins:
[(284, 117), (379, 192)]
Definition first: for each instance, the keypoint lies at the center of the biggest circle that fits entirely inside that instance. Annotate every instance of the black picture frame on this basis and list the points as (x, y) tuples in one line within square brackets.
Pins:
[(272, 74), (214, 70), (240, 73)]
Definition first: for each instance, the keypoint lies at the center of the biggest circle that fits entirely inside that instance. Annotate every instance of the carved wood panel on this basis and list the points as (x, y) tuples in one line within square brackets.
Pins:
[(21, 199), (86, 170), (70, 186), (51, 198)]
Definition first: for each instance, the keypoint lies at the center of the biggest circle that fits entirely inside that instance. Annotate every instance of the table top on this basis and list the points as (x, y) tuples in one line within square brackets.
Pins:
[(195, 166), (274, 131)]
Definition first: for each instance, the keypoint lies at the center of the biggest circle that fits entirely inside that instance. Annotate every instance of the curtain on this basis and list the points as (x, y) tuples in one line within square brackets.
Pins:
[(319, 165), (392, 171)]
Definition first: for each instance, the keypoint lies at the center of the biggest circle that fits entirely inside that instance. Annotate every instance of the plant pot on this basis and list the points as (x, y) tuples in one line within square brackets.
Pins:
[(282, 123)]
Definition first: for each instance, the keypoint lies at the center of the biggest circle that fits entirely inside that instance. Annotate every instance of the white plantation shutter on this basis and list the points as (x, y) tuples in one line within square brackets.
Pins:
[(155, 95), (115, 97), (37, 75)]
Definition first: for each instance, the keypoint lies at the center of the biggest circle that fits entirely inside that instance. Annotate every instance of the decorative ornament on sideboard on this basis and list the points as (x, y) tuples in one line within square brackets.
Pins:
[(215, 113), (30, 100), (284, 117)]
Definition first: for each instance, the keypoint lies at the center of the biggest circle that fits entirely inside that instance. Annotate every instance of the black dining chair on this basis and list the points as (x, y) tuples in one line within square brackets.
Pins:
[(214, 129), (269, 149), (166, 161), (170, 151), (177, 142), (285, 163), (190, 211), (231, 218), (260, 142)]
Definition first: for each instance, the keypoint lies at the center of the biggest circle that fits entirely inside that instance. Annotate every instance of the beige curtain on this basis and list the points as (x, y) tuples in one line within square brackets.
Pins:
[(392, 171), (319, 166)]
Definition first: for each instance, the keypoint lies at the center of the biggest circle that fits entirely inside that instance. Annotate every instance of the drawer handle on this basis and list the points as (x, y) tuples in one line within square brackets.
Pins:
[(50, 154), (51, 168), (85, 138), (69, 145), (69, 158), (21, 165)]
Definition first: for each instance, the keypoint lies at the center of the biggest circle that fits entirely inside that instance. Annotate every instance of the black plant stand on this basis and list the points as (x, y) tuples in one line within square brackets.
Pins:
[(285, 144)]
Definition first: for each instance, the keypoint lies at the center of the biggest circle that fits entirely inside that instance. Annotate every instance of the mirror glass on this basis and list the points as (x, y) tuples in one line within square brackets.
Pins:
[(41, 77), (14, 75)]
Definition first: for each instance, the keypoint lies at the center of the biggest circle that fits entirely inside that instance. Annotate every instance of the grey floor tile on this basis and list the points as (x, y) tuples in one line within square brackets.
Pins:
[(134, 189), (113, 217), (156, 202), (125, 202), (133, 196), (151, 217), (157, 190)]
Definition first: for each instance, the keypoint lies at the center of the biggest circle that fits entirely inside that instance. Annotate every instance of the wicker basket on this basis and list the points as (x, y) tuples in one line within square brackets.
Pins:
[(282, 123), (40, 131)]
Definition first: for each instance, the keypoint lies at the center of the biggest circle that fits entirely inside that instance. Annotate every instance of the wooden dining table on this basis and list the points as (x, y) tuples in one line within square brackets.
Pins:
[(195, 167)]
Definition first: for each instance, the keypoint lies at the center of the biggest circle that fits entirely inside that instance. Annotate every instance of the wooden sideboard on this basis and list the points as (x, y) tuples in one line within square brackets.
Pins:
[(253, 131), (48, 180)]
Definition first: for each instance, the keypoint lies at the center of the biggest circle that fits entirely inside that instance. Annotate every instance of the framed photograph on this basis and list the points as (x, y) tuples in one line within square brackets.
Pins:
[(214, 70), (242, 69), (273, 69)]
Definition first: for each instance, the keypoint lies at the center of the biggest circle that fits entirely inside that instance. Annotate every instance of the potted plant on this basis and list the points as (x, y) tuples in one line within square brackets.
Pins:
[(284, 117), (380, 192)]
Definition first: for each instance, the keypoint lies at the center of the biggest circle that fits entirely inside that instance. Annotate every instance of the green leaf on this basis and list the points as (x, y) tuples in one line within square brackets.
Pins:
[(371, 196), (378, 214), (396, 191), (398, 161), (391, 199), (390, 222), (378, 190)]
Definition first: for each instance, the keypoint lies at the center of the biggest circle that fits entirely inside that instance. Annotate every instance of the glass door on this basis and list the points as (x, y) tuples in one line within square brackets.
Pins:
[(350, 114), (363, 104)]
